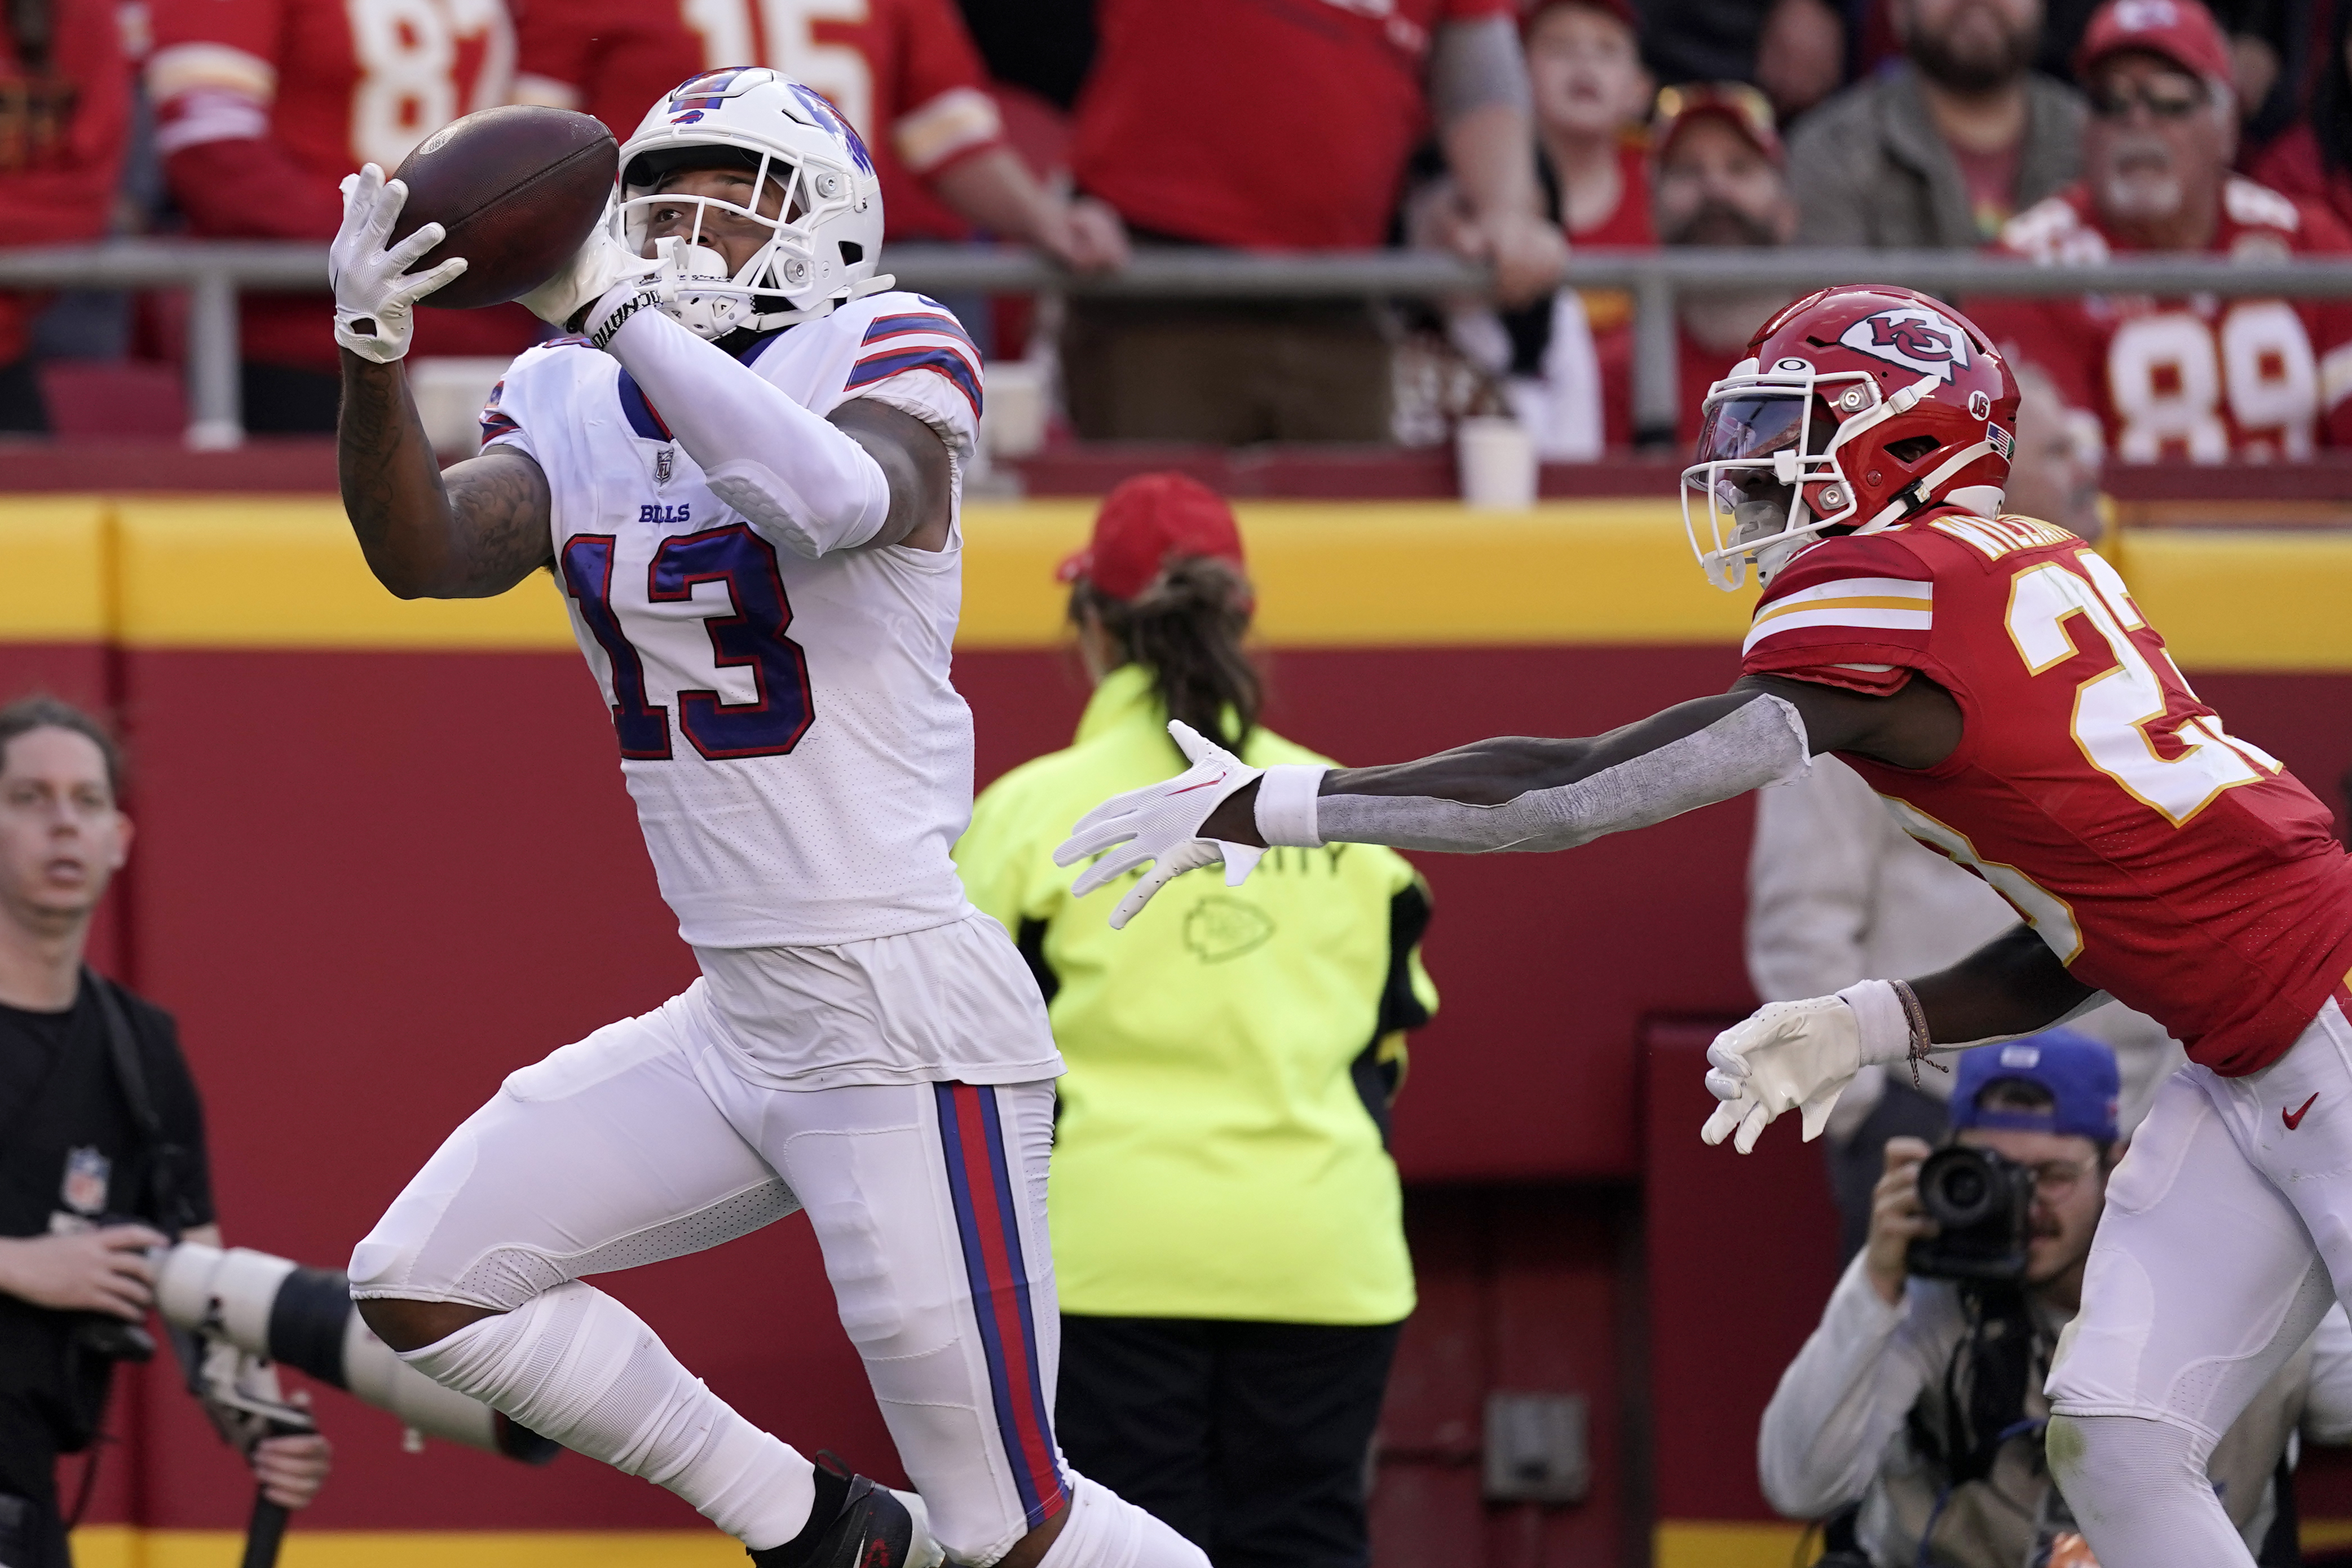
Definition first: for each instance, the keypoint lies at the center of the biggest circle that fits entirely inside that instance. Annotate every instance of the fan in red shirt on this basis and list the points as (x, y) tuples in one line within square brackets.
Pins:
[(1286, 124), (263, 106), (65, 119), (2210, 380), (904, 73)]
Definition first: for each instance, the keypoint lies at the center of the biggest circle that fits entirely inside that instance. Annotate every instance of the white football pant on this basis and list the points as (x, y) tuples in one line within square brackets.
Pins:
[(641, 1143), (2226, 1236)]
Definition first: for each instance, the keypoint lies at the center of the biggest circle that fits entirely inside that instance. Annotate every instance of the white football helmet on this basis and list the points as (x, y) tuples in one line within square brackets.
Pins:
[(816, 192)]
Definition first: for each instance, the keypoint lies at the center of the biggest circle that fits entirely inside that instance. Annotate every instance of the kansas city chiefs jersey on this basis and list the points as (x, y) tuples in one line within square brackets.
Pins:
[(2208, 379), (800, 762), (2167, 861)]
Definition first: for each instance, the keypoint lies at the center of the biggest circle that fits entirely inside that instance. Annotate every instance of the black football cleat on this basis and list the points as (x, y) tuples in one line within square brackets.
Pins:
[(853, 1525)]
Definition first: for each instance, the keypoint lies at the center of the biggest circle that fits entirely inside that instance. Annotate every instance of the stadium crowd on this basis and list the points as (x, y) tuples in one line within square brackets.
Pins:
[(1504, 131)]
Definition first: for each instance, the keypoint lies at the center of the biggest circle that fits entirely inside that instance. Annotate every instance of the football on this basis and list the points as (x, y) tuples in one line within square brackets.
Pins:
[(517, 188)]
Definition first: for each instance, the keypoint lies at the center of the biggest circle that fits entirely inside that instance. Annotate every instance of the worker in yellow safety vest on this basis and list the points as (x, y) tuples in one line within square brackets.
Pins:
[(1227, 1223)]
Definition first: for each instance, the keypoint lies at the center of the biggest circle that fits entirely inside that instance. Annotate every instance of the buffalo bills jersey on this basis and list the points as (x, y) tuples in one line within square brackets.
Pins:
[(2204, 378), (800, 762), (2167, 861)]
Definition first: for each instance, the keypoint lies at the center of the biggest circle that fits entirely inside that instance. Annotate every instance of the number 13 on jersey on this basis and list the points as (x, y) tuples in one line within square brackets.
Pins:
[(745, 631)]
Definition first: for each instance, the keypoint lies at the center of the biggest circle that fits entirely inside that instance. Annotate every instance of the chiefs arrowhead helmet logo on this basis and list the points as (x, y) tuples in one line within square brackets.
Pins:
[(1913, 337)]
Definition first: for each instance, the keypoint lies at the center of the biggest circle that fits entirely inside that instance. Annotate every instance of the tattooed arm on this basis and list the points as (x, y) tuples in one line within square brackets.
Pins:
[(473, 530)]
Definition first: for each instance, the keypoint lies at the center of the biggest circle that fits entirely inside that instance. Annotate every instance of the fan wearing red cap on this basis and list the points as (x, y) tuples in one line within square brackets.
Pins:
[(2208, 379), (1718, 177)]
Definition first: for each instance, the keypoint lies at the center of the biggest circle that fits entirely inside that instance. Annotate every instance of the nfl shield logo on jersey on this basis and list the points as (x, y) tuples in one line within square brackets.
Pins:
[(1912, 337), (84, 1190)]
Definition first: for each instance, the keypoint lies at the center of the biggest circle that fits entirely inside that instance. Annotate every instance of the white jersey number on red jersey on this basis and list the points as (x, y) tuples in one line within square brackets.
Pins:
[(2173, 377)]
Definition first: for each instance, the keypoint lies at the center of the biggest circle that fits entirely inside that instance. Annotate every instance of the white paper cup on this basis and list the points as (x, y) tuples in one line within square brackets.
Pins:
[(1013, 414), (1497, 464)]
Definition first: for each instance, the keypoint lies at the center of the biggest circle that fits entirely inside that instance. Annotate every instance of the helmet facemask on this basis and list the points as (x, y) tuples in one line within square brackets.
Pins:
[(789, 201), (1767, 474)]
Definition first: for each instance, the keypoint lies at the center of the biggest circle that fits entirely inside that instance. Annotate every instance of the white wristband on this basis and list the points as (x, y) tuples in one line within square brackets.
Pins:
[(1286, 794), (1885, 1027)]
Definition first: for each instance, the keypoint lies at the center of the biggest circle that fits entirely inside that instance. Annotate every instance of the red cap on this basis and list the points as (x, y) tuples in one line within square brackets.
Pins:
[(1748, 111), (2182, 31), (1143, 524)]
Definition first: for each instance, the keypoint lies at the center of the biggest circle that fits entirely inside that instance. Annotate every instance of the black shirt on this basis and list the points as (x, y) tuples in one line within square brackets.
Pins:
[(70, 1147)]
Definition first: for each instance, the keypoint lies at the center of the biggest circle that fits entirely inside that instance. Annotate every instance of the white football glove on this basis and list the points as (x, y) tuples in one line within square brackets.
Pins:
[(374, 290), (601, 264), (1799, 1056), (1160, 824)]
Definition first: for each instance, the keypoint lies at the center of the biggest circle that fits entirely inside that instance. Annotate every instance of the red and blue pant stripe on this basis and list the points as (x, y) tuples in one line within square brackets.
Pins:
[(987, 1206)]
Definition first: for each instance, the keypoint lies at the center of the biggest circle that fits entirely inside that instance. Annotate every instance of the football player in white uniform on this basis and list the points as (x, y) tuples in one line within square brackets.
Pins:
[(744, 473)]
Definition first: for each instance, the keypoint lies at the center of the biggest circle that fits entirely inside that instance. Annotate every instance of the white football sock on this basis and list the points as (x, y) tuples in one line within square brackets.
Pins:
[(576, 1366), (1105, 1531), (2139, 1490)]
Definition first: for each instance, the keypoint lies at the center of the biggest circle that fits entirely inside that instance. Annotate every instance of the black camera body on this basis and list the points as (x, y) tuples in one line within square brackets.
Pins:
[(1982, 1205)]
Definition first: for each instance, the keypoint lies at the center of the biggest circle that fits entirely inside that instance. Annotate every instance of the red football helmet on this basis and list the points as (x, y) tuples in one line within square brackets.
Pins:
[(1855, 407)]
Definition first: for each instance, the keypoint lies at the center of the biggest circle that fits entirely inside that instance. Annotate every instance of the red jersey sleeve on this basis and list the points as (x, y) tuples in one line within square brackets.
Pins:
[(943, 113), (1854, 612), (213, 78)]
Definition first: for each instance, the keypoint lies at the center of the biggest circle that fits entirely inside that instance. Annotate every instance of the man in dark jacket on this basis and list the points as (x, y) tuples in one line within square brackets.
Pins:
[(86, 1179), (1945, 148)]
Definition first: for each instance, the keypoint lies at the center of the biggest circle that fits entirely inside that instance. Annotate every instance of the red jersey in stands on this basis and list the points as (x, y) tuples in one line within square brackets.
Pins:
[(2293, 166), (2208, 379), (263, 106), (1626, 225), (904, 73), (1281, 123), (2164, 860), (62, 136)]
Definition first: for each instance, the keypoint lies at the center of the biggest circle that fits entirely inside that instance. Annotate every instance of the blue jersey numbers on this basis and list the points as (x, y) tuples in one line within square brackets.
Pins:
[(746, 632)]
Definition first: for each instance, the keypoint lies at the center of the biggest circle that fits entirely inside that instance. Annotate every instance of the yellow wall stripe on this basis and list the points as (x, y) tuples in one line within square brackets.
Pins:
[(1713, 1543), (54, 569), (287, 573), (284, 572)]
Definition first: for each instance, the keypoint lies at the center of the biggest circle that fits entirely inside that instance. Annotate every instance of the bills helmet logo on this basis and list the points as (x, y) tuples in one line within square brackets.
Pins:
[(823, 113), (1913, 337)]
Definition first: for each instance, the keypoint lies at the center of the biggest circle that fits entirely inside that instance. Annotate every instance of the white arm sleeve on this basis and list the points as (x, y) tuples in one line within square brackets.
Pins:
[(800, 480), (1843, 1401), (1758, 743)]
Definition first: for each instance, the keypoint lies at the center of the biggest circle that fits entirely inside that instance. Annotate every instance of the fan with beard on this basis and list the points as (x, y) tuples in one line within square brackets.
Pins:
[(1975, 47)]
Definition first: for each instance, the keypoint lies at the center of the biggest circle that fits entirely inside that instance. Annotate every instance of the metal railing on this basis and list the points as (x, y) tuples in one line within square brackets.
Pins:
[(215, 273)]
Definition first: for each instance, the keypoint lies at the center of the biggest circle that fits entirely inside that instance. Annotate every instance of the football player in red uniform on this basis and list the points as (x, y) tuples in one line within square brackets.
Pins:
[(1991, 679), (263, 106), (2208, 379), (904, 73)]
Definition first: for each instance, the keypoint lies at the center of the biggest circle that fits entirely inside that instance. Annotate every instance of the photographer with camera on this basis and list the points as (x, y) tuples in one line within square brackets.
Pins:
[(101, 1139), (1913, 1419)]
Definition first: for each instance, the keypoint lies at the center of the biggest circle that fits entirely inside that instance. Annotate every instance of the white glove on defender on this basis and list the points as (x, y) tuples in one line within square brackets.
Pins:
[(1800, 1056), (601, 264), (374, 288), (1160, 825)]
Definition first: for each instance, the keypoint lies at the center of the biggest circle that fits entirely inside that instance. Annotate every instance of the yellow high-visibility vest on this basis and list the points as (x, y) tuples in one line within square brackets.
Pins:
[(1220, 1149)]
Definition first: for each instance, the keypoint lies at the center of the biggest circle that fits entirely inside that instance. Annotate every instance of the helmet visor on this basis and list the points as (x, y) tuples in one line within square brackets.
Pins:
[(1751, 425)]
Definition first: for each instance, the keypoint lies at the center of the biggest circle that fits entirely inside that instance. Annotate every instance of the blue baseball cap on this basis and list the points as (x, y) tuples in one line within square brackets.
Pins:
[(2078, 1072)]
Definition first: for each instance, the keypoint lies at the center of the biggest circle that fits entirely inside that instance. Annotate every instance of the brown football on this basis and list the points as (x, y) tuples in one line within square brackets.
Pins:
[(517, 188)]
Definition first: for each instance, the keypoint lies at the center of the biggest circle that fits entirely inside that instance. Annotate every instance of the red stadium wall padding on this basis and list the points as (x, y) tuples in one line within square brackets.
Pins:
[(1530, 1290), (1742, 1252)]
